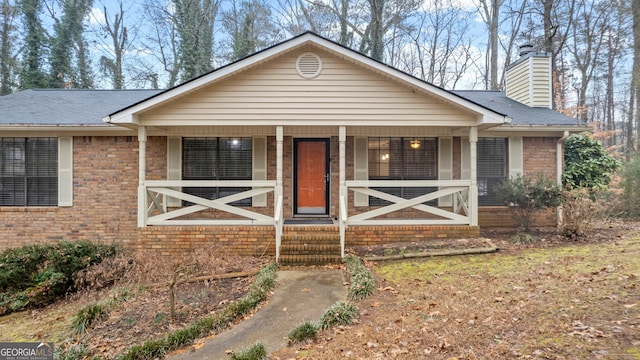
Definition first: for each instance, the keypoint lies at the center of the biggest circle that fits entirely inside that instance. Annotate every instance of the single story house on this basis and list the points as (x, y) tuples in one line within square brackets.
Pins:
[(298, 151)]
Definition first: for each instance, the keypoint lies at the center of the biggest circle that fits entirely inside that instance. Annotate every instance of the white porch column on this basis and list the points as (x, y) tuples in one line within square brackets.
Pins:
[(142, 166), (279, 161), (342, 140), (278, 190), (473, 191)]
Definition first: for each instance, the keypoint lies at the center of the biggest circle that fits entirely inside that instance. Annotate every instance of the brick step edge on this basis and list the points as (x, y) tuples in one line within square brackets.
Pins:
[(286, 238), (310, 248), (288, 260)]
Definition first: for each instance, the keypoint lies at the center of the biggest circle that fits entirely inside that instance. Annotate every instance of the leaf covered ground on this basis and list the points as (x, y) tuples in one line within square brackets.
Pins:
[(134, 290), (551, 299), (548, 300)]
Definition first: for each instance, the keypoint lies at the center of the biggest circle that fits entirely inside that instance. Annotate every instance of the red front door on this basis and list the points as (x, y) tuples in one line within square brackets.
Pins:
[(312, 176)]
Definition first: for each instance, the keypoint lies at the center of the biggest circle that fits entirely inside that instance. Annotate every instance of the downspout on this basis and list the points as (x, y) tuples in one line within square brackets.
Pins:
[(559, 170)]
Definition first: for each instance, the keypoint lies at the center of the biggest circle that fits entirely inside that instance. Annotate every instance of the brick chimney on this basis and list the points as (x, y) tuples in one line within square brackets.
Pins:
[(529, 78)]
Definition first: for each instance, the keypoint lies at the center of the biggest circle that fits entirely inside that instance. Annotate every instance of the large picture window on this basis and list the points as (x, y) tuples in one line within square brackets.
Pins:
[(402, 159), (492, 162), (28, 171), (217, 159)]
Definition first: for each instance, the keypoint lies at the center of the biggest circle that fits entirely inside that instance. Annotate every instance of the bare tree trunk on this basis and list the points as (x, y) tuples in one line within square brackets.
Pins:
[(490, 12), (635, 88)]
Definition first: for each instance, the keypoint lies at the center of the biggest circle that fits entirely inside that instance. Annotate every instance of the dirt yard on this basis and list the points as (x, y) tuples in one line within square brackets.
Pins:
[(552, 299)]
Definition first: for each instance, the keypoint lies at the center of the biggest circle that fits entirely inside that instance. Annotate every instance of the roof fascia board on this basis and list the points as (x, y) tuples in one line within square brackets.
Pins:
[(544, 128)]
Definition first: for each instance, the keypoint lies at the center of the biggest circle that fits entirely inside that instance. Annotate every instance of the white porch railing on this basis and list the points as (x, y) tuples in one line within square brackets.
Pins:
[(157, 192), (453, 189), (457, 191), (278, 219)]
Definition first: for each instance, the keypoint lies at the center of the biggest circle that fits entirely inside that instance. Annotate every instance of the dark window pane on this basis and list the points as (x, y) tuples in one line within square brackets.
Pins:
[(217, 159), (492, 168), (402, 159), (28, 171)]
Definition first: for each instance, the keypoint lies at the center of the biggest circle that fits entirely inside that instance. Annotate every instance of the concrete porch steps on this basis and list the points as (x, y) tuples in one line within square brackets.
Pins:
[(310, 245)]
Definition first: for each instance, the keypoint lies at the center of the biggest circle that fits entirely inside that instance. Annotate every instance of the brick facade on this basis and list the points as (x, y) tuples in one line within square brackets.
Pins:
[(104, 186), (105, 171), (539, 155)]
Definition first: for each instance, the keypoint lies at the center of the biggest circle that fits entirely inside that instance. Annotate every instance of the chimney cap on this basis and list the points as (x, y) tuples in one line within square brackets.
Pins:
[(525, 49)]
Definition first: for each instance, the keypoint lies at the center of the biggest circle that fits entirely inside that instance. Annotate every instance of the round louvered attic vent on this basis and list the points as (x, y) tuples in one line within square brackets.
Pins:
[(309, 65)]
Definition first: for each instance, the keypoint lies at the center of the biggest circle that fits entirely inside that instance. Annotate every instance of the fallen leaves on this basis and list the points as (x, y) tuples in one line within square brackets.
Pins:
[(540, 302)]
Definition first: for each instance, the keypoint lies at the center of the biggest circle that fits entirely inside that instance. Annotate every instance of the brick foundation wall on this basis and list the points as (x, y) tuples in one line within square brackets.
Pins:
[(498, 216), (376, 235), (241, 240)]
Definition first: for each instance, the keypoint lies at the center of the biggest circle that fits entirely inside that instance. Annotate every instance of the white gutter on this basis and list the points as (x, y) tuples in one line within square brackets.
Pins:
[(76, 130)]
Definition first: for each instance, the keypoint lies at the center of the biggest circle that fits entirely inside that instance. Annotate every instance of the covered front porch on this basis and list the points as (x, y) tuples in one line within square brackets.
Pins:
[(353, 208), (319, 131)]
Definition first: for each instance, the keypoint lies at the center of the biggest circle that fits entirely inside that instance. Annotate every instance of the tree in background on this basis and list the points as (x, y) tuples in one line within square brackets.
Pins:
[(32, 74), (250, 27), (162, 36), (68, 44), (634, 93), (116, 34), (489, 10), (8, 37), (194, 20)]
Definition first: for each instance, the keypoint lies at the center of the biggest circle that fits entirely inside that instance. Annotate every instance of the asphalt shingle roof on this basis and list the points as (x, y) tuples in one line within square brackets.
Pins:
[(87, 107), (66, 106), (520, 114)]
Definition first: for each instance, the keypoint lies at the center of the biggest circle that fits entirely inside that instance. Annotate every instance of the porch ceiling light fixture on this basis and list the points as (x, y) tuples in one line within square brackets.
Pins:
[(415, 144)]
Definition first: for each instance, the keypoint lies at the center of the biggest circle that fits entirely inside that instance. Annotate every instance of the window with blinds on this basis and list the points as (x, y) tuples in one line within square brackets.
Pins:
[(28, 171), (492, 167), (217, 159), (402, 159)]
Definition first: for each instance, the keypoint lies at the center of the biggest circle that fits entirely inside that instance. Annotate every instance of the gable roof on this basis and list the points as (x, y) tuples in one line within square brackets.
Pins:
[(78, 107), (65, 107), (128, 115)]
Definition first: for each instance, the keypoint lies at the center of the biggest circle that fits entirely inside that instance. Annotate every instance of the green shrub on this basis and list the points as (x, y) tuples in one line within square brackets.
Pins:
[(340, 313), (89, 314), (35, 275), (526, 197), (587, 163), (70, 352), (303, 332), (362, 282), (255, 352)]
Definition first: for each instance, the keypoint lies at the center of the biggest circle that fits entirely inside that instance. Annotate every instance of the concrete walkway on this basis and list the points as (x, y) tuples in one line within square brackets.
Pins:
[(299, 296)]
